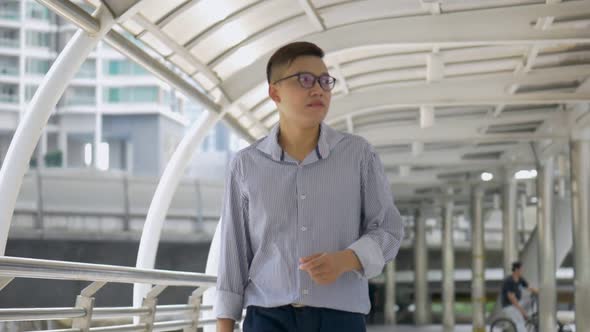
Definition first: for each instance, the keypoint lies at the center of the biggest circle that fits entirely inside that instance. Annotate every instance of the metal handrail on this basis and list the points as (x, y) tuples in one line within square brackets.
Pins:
[(60, 270), (119, 312), (40, 314), (33, 314)]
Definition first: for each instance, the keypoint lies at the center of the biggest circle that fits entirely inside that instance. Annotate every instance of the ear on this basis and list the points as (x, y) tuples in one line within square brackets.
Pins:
[(273, 93)]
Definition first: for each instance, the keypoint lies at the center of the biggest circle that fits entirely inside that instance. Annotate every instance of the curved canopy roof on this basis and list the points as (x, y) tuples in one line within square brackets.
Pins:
[(441, 88)]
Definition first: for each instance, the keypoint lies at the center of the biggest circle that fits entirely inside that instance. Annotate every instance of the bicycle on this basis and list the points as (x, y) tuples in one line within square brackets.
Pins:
[(505, 324)]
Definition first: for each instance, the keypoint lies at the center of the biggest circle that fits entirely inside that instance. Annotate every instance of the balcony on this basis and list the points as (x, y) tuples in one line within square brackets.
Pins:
[(9, 99), (9, 14), (9, 42)]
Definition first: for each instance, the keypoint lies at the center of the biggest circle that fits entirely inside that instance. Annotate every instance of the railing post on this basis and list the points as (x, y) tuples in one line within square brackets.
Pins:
[(127, 216), (39, 184), (4, 282), (195, 299), (150, 301), (199, 197), (86, 301)]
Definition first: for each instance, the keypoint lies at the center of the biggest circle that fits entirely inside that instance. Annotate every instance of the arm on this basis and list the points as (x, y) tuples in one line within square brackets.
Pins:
[(235, 252), (381, 231), (381, 226), (515, 303), (225, 325)]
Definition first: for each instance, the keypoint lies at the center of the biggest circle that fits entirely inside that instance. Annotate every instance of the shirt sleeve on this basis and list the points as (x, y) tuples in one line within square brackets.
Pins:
[(524, 283), (235, 250), (381, 225)]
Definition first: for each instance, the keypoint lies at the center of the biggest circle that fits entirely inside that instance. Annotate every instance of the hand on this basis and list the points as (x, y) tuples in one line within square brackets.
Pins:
[(325, 268), (524, 314)]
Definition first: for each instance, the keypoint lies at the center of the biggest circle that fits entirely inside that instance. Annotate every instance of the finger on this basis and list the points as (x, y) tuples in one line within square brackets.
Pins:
[(310, 258), (321, 276), (318, 269), (312, 264)]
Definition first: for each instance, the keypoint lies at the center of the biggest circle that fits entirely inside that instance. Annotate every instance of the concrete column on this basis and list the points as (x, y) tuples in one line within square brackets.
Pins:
[(390, 315), (421, 269), (522, 204), (478, 273), (97, 139), (42, 150), (448, 280), (580, 155), (509, 224), (547, 282), (62, 143)]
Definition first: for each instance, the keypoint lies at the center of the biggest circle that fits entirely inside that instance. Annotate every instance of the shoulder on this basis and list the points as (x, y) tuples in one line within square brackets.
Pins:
[(242, 158), (357, 145)]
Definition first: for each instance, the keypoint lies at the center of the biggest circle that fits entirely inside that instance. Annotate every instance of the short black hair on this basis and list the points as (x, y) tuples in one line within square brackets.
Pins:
[(516, 266), (287, 53)]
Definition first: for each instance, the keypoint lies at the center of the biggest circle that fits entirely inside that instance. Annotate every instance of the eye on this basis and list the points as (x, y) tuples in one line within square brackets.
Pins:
[(327, 82), (306, 79)]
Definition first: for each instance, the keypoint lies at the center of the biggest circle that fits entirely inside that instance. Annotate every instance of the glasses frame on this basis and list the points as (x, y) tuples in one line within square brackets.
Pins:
[(316, 79)]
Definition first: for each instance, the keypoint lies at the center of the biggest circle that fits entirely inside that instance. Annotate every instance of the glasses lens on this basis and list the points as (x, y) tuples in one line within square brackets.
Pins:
[(327, 82), (306, 80)]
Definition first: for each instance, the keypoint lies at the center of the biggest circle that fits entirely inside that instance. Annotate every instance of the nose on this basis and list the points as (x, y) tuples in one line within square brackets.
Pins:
[(316, 89)]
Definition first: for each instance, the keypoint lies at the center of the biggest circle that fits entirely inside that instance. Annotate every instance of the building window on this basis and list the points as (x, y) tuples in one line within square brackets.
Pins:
[(87, 70), (37, 66), (123, 68), (39, 39), (37, 11), (30, 91), (79, 96), (144, 94), (9, 10), (8, 94), (9, 38), (9, 66)]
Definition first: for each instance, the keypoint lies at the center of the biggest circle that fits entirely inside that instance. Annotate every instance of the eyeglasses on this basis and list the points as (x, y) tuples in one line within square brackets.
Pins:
[(307, 80)]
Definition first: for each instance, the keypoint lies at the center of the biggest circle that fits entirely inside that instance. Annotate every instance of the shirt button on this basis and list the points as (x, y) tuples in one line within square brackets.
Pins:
[(304, 228), (302, 196), (305, 292)]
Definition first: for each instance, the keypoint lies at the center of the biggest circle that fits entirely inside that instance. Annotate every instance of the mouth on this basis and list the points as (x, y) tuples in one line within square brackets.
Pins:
[(316, 104)]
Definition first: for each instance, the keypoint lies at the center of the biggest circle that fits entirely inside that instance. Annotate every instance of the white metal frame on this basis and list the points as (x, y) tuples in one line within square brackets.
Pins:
[(35, 119)]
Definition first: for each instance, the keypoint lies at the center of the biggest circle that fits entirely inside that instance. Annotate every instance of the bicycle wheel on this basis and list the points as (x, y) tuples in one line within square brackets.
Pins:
[(503, 325)]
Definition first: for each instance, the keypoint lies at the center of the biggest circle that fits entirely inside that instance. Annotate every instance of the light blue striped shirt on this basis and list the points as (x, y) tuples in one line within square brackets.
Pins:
[(277, 210)]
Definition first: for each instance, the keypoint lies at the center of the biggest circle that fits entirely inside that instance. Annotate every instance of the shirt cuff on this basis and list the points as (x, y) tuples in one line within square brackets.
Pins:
[(370, 255), (229, 305)]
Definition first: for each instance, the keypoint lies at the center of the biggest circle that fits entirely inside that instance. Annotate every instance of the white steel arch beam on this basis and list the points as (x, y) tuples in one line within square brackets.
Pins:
[(483, 90), (150, 236), (176, 48), (313, 15), (80, 18), (238, 14), (498, 26), (30, 128), (134, 53)]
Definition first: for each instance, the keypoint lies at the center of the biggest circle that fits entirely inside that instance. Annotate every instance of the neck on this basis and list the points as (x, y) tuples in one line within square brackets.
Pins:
[(297, 141), (515, 276)]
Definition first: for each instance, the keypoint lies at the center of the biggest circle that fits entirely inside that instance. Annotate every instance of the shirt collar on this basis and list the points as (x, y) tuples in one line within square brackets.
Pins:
[(326, 143)]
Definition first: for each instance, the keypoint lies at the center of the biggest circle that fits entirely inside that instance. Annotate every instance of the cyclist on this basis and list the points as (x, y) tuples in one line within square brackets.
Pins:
[(512, 294)]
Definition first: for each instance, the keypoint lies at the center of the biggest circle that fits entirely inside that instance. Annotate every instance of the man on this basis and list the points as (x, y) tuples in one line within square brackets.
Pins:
[(512, 294), (308, 213)]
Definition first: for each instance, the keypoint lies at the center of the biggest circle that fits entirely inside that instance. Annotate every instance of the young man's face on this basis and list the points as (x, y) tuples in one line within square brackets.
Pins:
[(302, 107)]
